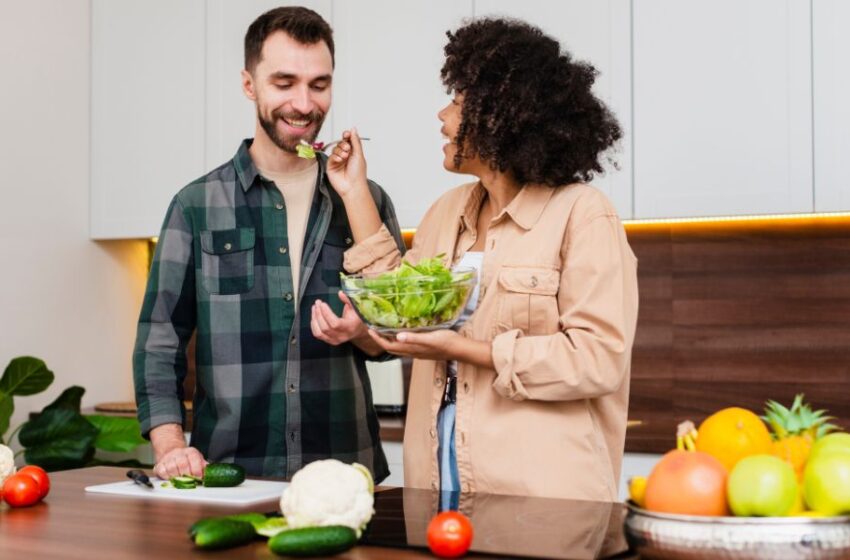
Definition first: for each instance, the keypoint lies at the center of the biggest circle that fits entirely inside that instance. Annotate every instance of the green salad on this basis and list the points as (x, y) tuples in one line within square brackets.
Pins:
[(411, 296)]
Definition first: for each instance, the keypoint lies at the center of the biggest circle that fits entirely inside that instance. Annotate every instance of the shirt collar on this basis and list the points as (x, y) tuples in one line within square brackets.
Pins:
[(247, 171), (472, 207), (527, 206), (525, 209)]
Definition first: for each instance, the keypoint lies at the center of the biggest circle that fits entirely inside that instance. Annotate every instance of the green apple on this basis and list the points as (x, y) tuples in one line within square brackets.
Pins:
[(826, 482), (761, 485), (835, 440)]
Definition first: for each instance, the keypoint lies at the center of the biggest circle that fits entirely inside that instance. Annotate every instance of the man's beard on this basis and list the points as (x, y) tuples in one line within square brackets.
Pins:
[(285, 142)]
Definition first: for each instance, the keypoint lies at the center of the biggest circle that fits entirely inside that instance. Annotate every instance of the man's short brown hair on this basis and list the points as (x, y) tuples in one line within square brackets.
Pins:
[(302, 24)]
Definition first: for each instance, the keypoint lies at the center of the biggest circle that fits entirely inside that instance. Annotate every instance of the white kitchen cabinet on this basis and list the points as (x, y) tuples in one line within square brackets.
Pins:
[(722, 107), (831, 72), (147, 111), (387, 84), (599, 32), (393, 452), (230, 116)]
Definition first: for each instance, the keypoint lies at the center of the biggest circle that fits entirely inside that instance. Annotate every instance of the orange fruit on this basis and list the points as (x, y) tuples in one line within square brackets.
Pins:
[(687, 482), (732, 434)]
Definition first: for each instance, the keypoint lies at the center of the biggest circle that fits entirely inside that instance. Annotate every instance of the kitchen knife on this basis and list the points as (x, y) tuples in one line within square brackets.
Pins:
[(139, 477)]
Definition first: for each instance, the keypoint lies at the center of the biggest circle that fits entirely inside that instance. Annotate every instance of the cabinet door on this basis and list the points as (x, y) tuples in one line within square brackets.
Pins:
[(599, 32), (230, 115), (722, 107), (147, 111), (832, 112), (387, 84)]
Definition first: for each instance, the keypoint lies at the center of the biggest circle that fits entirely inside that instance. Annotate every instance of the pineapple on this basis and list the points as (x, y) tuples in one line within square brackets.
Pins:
[(795, 430)]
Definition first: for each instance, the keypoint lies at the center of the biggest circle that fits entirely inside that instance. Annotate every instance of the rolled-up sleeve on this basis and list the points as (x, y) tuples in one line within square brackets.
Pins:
[(166, 323), (597, 300), (377, 253)]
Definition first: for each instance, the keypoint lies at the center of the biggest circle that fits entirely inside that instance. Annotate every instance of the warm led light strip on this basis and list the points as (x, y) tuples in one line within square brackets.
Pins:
[(746, 218), (708, 219)]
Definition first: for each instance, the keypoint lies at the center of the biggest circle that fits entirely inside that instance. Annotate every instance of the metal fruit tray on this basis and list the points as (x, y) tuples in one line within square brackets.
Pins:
[(686, 537)]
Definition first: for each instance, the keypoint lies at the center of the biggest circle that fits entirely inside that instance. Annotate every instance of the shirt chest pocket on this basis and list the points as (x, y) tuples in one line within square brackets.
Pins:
[(337, 241), (528, 300), (227, 260)]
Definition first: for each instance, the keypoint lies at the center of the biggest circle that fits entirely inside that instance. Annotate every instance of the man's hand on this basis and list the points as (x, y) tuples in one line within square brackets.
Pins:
[(173, 457), (346, 167), (335, 330)]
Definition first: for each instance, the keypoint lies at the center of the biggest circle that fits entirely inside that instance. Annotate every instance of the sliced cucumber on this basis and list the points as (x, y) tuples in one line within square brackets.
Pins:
[(271, 526), (313, 541), (221, 475), (183, 482)]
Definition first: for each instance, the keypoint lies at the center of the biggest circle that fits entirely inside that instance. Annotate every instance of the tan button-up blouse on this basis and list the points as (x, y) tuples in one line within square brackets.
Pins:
[(558, 302)]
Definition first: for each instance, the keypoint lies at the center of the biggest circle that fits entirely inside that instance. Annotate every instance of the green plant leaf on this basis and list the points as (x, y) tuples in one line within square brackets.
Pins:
[(117, 433), (58, 439), (25, 375), (62, 454), (7, 407), (70, 399)]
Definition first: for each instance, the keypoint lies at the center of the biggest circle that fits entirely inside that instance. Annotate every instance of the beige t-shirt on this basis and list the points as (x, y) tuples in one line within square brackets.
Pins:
[(297, 190)]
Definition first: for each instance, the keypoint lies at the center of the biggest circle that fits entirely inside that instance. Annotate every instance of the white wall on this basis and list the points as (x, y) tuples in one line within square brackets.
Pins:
[(68, 300)]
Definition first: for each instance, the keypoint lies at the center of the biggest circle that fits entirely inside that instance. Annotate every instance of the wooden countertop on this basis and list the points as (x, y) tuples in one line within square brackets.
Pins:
[(72, 524)]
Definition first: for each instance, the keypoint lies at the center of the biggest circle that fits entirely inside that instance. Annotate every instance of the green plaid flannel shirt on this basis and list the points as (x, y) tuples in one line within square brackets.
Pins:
[(270, 396)]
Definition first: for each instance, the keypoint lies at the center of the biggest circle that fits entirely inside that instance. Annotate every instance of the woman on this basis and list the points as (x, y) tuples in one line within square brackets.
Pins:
[(529, 396)]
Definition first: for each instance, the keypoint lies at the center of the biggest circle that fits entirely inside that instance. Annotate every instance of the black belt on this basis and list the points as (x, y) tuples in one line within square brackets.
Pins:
[(450, 391)]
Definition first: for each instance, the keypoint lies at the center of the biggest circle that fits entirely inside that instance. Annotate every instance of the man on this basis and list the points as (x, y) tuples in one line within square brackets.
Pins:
[(244, 254)]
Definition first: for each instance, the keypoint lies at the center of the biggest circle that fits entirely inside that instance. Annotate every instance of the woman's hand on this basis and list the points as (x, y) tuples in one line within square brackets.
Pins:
[(435, 345), (326, 326), (346, 167), (438, 345)]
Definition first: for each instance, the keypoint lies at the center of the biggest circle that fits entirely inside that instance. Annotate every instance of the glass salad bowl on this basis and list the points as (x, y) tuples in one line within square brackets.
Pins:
[(411, 298)]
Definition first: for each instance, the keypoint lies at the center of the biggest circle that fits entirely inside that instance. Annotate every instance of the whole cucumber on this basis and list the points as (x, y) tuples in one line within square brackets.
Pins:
[(313, 541), (223, 533), (220, 475)]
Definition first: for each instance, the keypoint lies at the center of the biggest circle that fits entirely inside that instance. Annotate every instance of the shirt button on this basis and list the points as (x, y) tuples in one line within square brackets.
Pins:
[(433, 433), (465, 487), (279, 206), (434, 485), (293, 341), (292, 387), (348, 241), (287, 296), (227, 246), (438, 382), (465, 386), (292, 436), (282, 250)]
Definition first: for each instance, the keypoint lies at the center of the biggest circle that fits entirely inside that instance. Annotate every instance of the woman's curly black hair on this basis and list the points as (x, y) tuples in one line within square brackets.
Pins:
[(528, 108)]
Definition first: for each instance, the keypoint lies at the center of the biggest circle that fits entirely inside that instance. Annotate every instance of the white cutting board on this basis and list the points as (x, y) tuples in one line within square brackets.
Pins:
[(249, 492)]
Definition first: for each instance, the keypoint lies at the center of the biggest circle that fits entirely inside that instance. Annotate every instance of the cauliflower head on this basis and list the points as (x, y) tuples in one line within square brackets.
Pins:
[(329, 492), (7, 463)]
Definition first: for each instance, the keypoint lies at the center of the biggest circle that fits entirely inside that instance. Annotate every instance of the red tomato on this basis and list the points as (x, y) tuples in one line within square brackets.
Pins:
[(20, 490), (449, 534), (40, 476)]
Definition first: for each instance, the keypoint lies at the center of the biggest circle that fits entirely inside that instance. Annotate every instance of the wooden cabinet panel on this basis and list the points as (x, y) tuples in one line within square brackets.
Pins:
[(733, 315), (722, 107)]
